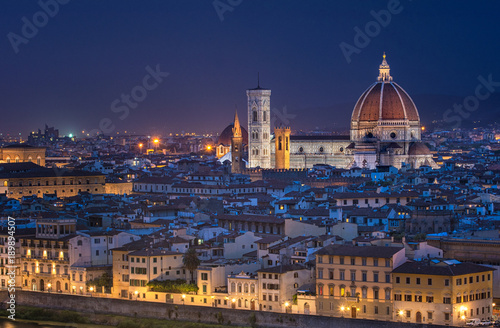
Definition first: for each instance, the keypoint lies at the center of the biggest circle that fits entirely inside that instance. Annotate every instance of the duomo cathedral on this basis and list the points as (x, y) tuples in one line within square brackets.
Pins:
[(385, 130)]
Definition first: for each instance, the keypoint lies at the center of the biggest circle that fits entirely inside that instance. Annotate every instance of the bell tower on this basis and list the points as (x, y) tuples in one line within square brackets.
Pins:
[(236, 147), (282, 151), (259, 127)]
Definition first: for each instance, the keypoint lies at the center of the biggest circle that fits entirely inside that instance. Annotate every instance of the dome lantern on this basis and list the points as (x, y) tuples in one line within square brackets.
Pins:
[(384, 71)]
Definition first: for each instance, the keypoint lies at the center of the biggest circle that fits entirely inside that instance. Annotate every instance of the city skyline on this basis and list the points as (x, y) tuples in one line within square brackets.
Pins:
[(72, 69)]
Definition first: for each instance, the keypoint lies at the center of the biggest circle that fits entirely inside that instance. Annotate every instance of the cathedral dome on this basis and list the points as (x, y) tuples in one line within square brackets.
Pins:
[(384, 100), (227, 133), (418, 148)]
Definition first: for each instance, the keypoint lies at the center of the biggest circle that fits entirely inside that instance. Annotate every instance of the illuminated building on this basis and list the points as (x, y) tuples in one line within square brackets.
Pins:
[(385, 130), (442, 292)]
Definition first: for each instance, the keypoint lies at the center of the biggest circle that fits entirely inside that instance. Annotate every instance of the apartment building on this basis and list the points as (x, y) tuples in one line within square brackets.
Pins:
[(442, 292), (355, 281)]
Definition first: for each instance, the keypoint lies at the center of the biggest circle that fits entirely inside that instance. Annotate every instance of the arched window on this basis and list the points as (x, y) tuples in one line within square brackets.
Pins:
[(330, 290), (38, 160), (17, 159), (79, 243), (364, 292), (254, 115), (320, 289), (233, 287), (239, 288), (286, 143), (280, 141), (245, 288), (264, 116)]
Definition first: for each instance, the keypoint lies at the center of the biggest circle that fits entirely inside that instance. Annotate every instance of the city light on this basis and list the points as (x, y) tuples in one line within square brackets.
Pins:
[(209, 147), (156, 141), (233, 300), (287, 304), (401, 312)]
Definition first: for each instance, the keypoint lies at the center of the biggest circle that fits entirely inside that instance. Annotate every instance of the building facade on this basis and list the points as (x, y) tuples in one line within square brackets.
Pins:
[(355, 281), (442, 292)]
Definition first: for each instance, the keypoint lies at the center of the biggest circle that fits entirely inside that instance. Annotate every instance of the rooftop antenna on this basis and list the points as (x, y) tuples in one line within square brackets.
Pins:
[(258, 80)]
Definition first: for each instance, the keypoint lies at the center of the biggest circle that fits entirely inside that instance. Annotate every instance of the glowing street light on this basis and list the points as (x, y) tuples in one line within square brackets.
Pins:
[(136, 295), (183, 298), (209, 147), (401, 312), (49, 285)]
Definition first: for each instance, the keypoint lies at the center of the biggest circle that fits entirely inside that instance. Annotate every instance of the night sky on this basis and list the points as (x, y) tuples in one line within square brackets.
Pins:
[(91, 52)]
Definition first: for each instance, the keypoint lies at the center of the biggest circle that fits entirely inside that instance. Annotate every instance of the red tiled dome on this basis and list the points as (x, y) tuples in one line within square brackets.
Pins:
[(227, 133), (384, 101)]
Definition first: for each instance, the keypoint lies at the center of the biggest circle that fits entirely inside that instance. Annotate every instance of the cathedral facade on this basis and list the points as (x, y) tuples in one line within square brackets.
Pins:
[(385, 130)]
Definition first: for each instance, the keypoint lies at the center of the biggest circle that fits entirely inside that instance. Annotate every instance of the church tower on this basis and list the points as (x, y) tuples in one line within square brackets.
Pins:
[(236, 147), (282, 143), (259, 127)]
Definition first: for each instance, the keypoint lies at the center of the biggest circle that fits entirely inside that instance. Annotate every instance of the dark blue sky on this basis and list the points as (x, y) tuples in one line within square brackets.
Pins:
[(91, 52)]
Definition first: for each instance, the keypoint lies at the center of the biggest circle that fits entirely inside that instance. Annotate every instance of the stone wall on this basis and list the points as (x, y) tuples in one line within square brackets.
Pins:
[(192, 313)]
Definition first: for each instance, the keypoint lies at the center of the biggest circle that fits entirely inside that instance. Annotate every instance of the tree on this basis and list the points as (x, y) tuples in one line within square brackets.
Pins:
[(191, 261)]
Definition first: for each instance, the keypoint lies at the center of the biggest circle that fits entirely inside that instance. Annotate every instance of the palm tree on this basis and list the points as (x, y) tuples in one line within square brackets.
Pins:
[(191, 261)]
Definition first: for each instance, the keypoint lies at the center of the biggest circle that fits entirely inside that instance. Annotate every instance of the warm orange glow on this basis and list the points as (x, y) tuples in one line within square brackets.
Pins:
[(209, 147), (156, 141), (140, 145), (423, 128)]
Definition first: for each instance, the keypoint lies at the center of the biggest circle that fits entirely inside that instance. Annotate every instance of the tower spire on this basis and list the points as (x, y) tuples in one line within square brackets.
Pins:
[(236, 126), (384, 71)]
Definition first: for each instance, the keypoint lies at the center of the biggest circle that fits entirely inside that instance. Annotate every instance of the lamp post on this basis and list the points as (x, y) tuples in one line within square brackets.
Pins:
[(49, 285), (140, 148), (136, 295), (183, 299), (342, 309), (91, 289), (81, 289)]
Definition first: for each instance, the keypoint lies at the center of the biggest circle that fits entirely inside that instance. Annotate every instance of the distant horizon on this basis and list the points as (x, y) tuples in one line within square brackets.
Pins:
[(160, 67)]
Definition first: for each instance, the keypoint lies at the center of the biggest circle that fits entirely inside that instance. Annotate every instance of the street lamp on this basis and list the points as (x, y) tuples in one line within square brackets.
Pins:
[(342, 309), (81, 289), (183, 298), (49, 285), (136, 295), (140, 148), (287, 305)]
